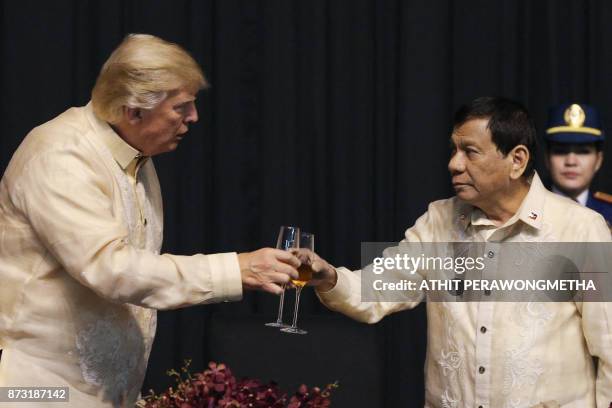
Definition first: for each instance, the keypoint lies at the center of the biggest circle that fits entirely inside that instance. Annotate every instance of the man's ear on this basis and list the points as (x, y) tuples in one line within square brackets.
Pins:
[(520, 158), (132, 115)]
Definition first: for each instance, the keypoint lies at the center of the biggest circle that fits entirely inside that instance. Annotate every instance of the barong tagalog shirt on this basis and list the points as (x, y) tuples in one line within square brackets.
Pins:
[(81, 273), (503, 354)]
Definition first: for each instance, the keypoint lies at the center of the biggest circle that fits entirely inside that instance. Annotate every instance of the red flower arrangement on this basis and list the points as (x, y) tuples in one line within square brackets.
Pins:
[(217, 387)]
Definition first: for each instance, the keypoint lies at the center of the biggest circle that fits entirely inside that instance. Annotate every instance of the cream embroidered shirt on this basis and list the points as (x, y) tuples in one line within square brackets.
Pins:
[(504, 354), (80, 267)]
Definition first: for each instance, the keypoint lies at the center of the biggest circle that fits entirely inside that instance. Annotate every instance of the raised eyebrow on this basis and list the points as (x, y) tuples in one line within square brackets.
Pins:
[(185, 102), (462, 144), (468, 143)]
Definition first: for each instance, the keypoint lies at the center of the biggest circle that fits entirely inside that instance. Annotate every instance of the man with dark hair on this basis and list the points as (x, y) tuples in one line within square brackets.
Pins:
[(509, 123), (574, 154), (496, 354)]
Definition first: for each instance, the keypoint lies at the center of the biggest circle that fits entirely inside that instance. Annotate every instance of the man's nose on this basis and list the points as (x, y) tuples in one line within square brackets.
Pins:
[(192, 115), (456, 164)]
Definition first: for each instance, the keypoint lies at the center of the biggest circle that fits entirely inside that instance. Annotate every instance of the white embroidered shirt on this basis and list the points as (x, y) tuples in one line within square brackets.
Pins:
[(80, 269), (504, 355)]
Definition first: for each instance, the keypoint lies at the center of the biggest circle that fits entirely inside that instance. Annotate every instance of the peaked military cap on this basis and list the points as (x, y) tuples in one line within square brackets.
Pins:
[(574, 123)]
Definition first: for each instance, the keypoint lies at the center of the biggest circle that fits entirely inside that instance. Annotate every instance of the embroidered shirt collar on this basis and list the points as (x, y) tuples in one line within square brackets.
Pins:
[(530, 211), (124, 154)]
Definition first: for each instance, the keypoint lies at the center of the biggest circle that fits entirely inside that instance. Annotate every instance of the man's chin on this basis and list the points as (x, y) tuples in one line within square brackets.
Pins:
[(466, 194)]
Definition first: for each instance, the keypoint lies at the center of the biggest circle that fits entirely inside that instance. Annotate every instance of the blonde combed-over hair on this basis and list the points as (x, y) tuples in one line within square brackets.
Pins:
[(140, 73)]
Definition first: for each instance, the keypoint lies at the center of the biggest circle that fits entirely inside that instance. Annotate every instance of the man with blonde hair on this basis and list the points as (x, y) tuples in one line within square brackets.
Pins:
[(81, 233)]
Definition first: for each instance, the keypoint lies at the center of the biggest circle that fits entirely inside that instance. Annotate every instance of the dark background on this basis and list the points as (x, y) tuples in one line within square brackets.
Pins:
[(332, 115)]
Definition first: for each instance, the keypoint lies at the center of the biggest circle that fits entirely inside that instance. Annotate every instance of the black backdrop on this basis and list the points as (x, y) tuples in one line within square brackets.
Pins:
[(332, 115)]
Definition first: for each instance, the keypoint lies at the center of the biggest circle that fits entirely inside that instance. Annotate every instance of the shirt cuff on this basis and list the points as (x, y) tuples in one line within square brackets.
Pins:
[(225, 276), (341, 291)]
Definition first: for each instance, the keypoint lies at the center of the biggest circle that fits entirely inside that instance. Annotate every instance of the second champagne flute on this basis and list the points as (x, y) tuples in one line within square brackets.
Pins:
[(306, 242)]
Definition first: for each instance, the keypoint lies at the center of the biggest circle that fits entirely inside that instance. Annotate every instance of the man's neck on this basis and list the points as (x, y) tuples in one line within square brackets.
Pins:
[(502, 208), (123, 132)]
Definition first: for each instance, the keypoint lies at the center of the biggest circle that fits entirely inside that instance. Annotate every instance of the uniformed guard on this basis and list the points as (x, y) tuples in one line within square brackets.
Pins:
[(574, 154)]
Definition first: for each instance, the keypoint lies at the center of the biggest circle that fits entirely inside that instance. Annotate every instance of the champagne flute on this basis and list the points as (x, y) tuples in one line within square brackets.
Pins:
[(305, 272), (288, 238)]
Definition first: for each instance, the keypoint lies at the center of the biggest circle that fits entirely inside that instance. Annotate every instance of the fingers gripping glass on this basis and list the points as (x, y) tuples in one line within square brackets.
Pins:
[(288, 238), (306, 242)]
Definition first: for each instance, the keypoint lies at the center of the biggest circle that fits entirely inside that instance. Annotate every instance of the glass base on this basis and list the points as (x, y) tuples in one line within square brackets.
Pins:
[(293, 330), (277, 324)]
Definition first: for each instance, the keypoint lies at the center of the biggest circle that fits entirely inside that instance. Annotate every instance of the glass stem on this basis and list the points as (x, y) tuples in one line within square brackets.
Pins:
[(279, 318), (298, 290)]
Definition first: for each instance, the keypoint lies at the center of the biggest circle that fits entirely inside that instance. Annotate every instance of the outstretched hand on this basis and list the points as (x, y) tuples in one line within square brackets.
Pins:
[(324, 275), (267, 269)]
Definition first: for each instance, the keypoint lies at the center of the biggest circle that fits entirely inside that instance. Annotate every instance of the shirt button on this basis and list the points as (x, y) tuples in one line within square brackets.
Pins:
[(480, 406), (481, 370), (490, 254), (483, 329)]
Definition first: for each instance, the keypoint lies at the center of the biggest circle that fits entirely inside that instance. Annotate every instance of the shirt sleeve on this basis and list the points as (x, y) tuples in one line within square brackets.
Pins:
[(69, 203), (346, 296), (597, 316), (597, 329)]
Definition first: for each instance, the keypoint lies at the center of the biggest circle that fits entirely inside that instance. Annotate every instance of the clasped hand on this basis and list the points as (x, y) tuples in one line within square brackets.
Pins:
[(267, 269), (324, 275)]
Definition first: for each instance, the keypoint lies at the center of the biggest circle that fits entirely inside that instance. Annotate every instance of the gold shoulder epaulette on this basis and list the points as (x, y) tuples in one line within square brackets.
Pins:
[(603, 197)]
